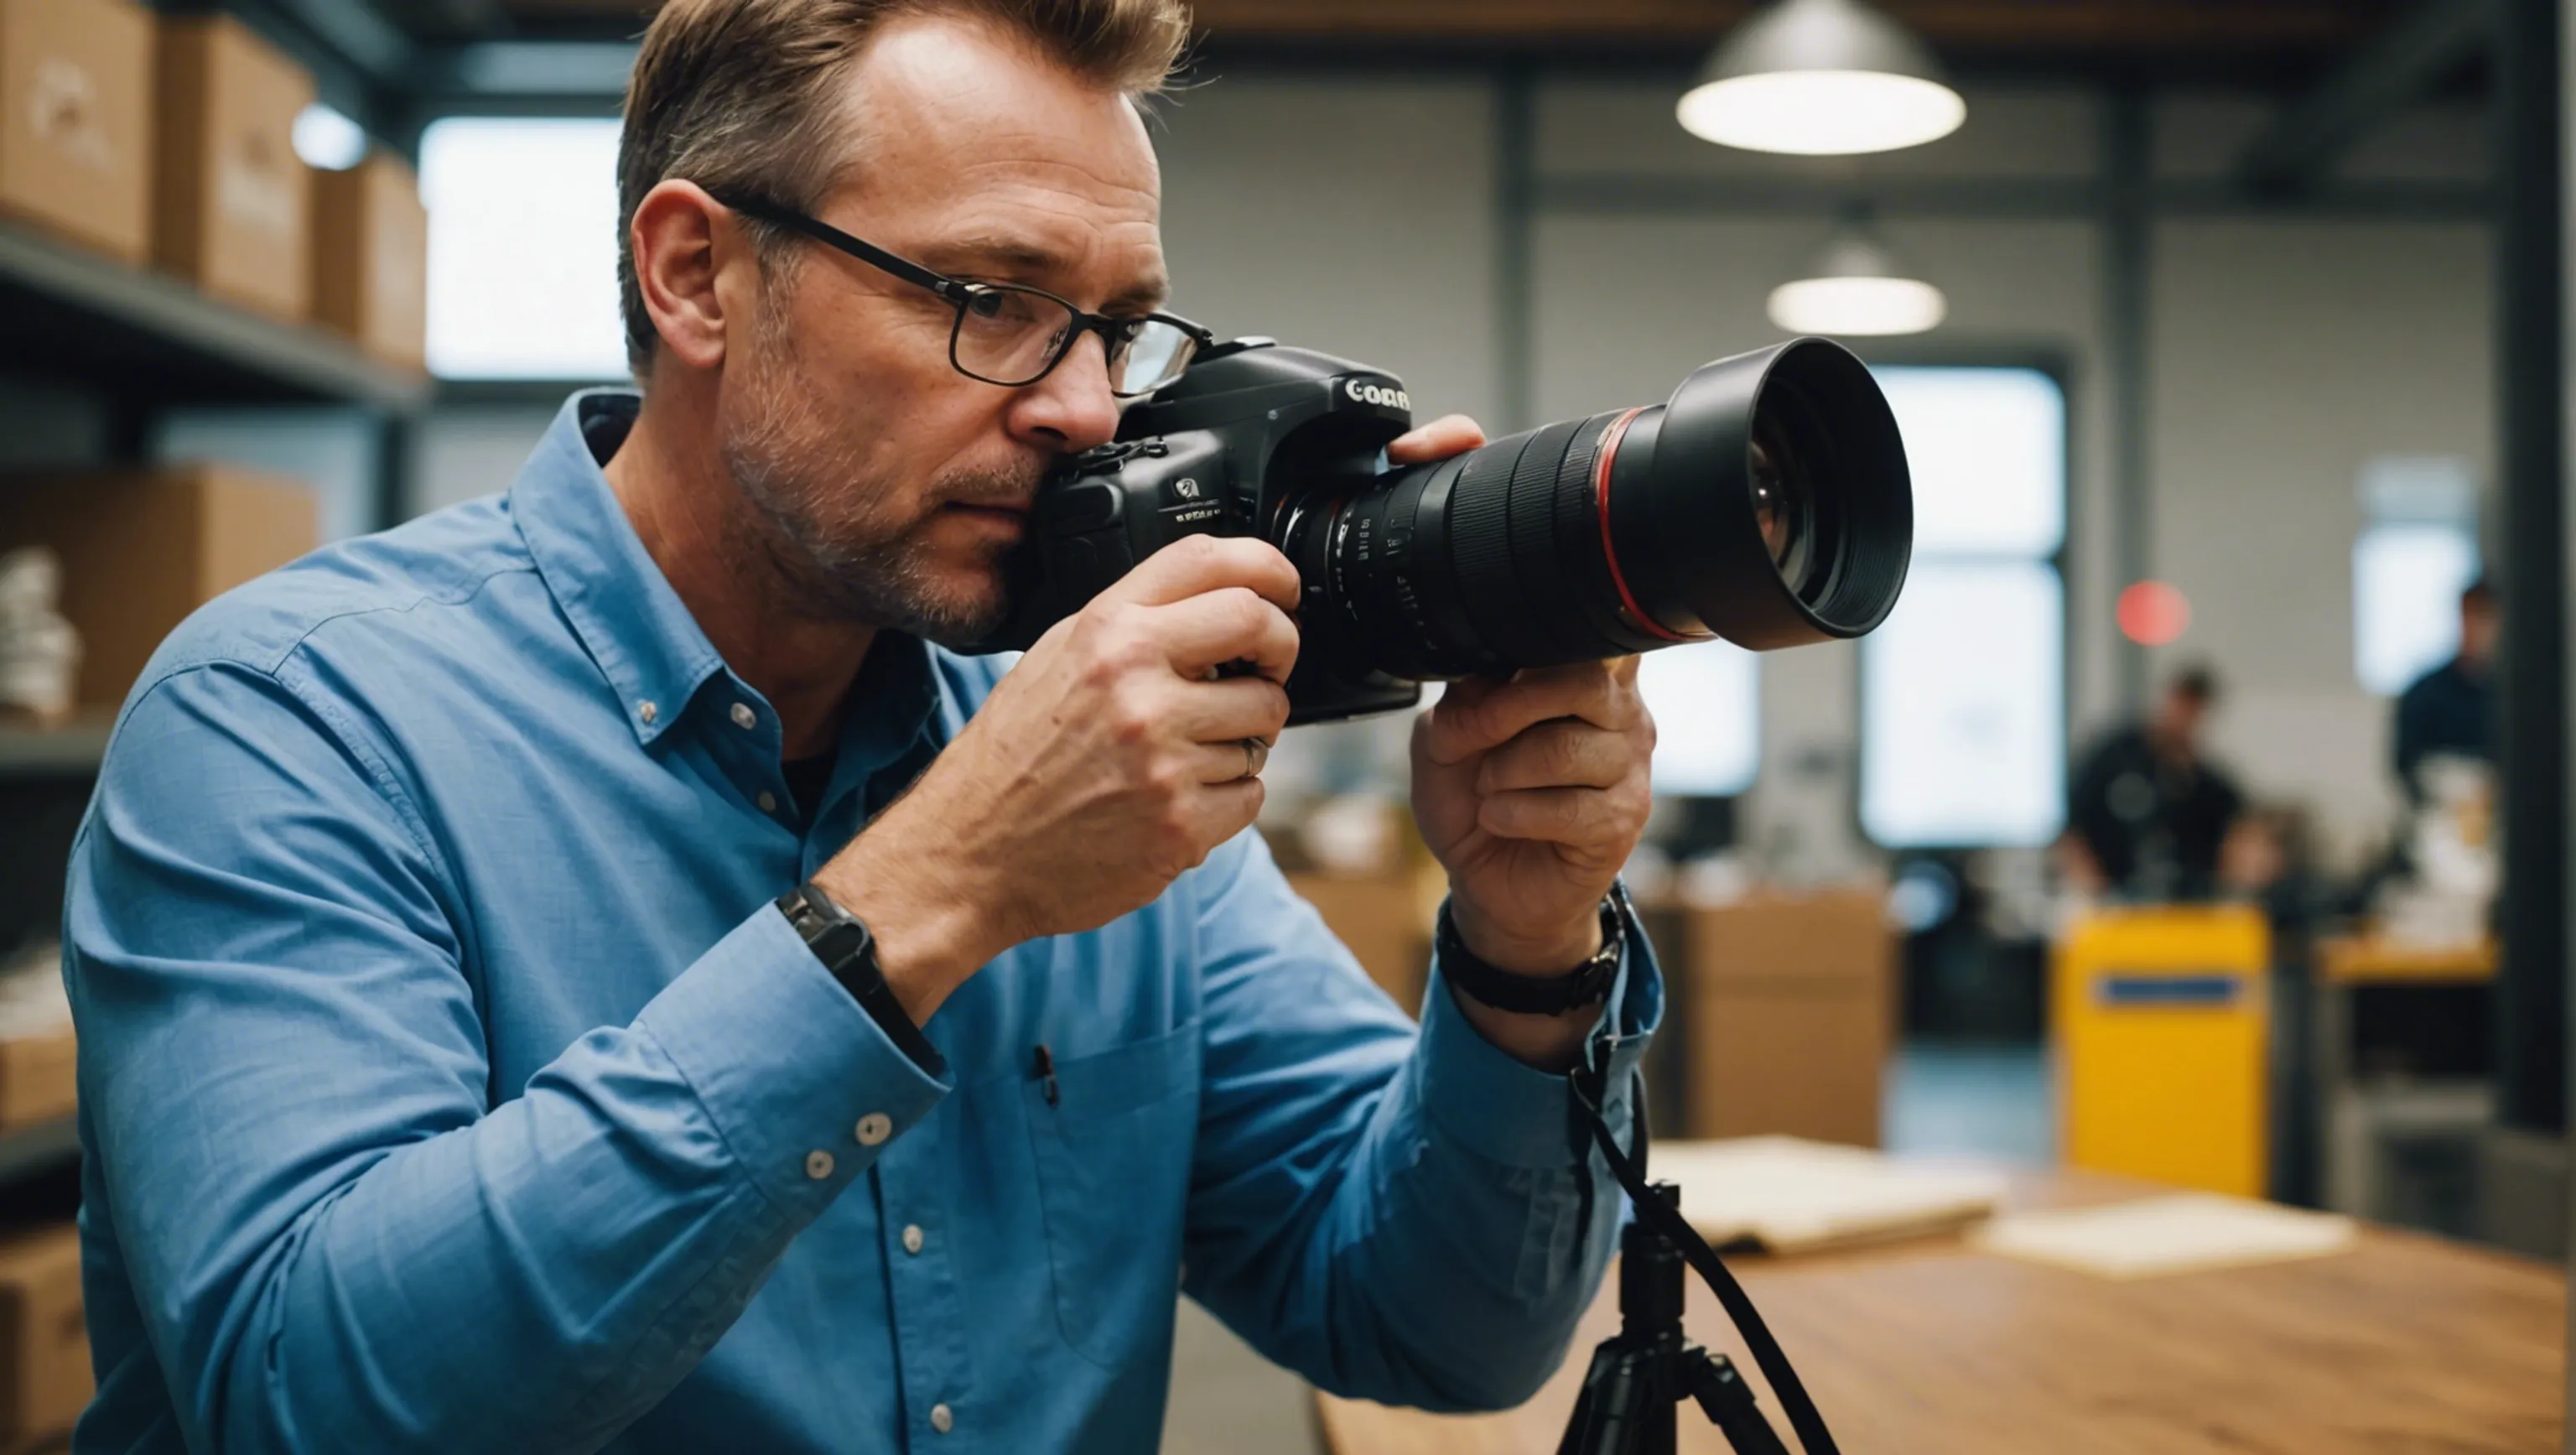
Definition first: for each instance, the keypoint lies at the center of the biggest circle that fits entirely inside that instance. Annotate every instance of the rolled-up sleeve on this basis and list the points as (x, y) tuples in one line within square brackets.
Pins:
[(332, 1220), (1402, 1214)]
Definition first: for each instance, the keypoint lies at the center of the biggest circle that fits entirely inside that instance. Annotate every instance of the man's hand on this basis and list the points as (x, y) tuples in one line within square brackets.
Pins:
[(1531, 792), (1108, 762)]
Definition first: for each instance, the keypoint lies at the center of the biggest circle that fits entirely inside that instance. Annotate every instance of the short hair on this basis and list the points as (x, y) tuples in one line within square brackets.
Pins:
[(738, 93), (2481, 595), (2197, 682)]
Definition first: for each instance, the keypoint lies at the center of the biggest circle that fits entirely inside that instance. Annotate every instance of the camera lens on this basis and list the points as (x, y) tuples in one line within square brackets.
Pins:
[(1766, 502)]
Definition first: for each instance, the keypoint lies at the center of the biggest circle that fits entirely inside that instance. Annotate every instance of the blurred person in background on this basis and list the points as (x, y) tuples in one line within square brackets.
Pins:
[(2148, 816), (2450, 711)]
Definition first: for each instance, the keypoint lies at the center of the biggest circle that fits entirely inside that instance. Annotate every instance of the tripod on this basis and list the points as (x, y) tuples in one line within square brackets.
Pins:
[(1639, 1375)]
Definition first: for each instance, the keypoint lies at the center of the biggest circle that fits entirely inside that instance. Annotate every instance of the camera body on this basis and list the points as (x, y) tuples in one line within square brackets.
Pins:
[(1766, 502), (1251, 439)]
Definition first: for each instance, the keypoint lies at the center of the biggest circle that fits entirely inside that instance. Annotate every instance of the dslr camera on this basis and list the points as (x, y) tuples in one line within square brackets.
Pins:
[(1766, 502)]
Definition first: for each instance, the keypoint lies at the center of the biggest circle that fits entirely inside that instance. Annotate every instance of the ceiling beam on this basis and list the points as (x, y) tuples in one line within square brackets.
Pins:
[(2167, 26), (2378, 78), (2234, 27)]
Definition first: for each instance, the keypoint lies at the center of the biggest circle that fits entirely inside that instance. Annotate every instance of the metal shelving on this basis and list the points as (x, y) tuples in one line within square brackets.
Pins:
[(72, 315)]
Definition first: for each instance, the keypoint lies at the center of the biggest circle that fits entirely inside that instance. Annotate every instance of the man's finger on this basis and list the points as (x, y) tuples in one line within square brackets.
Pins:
[(1196, 565), (1473, 716), (1575, 817), (1564, 753), (1450, 434), (1237, 707), (1231, 624)]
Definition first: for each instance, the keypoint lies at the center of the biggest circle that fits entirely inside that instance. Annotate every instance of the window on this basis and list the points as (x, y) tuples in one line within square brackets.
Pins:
[(522, 248), (2417, 551), (2406, 583), (1963, 698), (1708, 738)]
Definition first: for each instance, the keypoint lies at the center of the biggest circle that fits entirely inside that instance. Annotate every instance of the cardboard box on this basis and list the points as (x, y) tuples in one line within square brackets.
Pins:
[(141, 549), (36, 1079), (1381, 919), (371, 258), (45, 1377), (76, 120), (1787, 1003), (232, 202)]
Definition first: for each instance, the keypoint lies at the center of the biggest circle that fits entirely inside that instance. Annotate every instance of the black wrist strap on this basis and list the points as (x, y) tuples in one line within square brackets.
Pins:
[(842, 942), (1586, 984)]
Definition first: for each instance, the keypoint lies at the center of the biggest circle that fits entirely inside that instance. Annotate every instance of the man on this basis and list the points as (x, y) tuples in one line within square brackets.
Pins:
[(2450, 711), (2147, 816), (480, 1051)]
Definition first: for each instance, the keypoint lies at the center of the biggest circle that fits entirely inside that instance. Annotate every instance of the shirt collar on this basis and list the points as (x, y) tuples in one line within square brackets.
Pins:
[(628, 618)]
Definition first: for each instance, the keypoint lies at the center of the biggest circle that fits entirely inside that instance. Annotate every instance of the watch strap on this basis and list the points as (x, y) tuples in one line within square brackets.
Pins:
[(842, 942), (1586, 984)]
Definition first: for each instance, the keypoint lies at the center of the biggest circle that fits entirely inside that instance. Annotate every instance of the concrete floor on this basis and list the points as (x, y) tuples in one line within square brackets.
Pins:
[(1950, 1100)]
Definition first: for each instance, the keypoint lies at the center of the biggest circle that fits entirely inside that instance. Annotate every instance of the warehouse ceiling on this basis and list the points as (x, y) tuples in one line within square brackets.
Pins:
[(2082, 32)]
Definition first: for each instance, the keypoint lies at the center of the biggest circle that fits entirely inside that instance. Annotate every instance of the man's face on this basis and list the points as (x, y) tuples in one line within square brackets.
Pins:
[(2479, 624), (892, 485)]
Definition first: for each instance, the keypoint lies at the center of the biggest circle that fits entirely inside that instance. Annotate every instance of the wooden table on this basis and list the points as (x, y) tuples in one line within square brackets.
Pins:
[(2405, 1344)]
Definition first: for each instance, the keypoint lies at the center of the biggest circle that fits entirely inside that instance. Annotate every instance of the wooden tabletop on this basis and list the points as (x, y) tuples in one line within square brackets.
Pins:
[(2369, 959), (2405, 1344)]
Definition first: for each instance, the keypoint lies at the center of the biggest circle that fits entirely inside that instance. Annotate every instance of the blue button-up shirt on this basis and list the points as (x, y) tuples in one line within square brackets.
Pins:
[(450, 1083)]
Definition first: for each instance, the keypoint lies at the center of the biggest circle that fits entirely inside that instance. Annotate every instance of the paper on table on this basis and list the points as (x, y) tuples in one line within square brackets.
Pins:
[(2178, 1234), (1788, 1194)]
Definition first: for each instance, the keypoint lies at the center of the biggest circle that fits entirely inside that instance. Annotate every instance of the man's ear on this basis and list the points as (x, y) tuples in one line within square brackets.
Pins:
[(683, 242)]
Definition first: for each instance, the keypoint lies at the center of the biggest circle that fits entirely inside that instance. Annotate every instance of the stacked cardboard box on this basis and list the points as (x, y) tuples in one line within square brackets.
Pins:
[(1785, 1005), (234, 202), (45, 1376), (140, 549), (76, 121), (371, 258)]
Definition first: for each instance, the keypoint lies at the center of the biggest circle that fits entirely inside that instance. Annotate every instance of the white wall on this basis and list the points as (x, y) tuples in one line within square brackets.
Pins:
[(1357, 215)]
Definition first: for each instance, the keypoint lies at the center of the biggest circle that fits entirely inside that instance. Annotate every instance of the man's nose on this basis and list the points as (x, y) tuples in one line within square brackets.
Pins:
[(1071, 409)]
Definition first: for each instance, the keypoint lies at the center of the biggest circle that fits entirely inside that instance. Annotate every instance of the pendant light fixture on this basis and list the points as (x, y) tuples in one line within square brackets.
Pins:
[(1854, 286), (1821, 78)]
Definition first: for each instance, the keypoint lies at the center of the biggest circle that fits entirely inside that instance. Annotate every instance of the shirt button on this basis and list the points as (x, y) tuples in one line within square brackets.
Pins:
[(818, 1164), (874, 1128), (648, 712), (912, 1238), (942, 1418), (768, 801), (744, 717)]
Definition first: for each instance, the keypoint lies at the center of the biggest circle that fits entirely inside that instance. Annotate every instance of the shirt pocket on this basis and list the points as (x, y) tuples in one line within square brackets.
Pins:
[(1113, 1134)]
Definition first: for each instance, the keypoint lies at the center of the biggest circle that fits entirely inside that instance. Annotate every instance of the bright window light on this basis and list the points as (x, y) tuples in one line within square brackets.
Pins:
[(1987, 449), (1963, 699), (1963, 717), (327, 140), (2406, 585), (1821, 113), (1857, 307), (1708, 719), (522, 248)]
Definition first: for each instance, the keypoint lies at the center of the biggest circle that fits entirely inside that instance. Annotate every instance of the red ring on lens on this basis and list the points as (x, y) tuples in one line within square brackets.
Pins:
[(1637, 616)]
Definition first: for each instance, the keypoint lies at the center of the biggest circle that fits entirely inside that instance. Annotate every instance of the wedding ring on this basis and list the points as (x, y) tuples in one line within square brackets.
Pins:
[(1256, 753)]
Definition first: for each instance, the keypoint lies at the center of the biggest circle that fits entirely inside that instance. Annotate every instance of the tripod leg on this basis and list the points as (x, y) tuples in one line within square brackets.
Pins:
[(1728, 1402), (1605, 1418)]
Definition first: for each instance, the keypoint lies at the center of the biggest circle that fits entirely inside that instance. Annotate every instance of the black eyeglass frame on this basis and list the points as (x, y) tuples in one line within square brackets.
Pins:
[(959, 294)]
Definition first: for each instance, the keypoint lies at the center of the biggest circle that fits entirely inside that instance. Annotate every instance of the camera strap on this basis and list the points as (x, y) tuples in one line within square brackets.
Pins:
[(1667, 1221)]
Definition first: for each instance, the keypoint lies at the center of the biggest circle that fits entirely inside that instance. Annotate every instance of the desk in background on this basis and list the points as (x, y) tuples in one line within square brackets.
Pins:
[(2399, 1054), (2405, 1343)]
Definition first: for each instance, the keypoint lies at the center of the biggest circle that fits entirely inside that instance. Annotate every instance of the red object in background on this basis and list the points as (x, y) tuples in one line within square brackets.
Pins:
[(2153, 614)]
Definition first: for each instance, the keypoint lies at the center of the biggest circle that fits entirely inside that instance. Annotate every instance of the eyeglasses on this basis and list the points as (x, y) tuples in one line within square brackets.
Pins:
[(1006, 333)]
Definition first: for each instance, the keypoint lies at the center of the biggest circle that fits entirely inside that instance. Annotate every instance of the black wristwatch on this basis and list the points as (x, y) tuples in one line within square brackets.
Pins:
[(849, 952), (1586, 984)]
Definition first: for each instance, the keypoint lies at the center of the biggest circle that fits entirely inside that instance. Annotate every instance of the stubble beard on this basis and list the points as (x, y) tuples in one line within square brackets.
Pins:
[(835, 532)]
